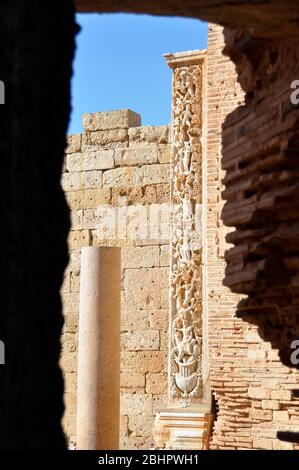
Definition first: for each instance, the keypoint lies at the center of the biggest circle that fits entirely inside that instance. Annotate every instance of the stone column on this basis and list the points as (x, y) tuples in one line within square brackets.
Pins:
[(188, 352), (98, 396)]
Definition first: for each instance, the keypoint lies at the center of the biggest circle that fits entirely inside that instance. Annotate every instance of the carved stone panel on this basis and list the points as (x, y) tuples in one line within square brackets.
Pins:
[(185, 243)]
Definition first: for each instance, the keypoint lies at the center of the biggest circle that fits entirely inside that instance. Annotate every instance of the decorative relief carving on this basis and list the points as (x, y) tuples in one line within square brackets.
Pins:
[(186, 318)]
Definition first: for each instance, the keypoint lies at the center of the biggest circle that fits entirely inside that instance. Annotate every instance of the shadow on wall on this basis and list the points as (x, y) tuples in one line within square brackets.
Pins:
[(262, 190)]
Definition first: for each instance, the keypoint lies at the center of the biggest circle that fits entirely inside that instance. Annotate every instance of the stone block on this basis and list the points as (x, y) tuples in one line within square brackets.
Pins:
[(71, 181), (258, 392), (105, 139), (88, 198), (132, 380), (69, 343), (256, 355), (140, 427), (137, 155), (264, 415), (164, 255), (75, 280), (164, 153), (144, 287), (70, 302), (90, 160), (70, 402), (133, 319), (91, 179), (155, 134), (136, 404), (270, 405), (270, 383), (76, 220), (70, 382), (119, 177), (159, 319), (281, 395), (119, 119), (81, 180), (150, 174), (69, 424), (280, 416), (165, 298), (164, 340), (280, 445), (103, 220), (140, 257), (262, 443), (252, 337), (78, 238), (156, 384), (163, 193), (144, 361), (68, 362), (131, 196), (140, 340), (124, 422), (73, 143), (71, 320)]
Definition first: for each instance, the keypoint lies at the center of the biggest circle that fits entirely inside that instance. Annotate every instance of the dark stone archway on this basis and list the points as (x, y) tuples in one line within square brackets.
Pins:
[(37, 44)]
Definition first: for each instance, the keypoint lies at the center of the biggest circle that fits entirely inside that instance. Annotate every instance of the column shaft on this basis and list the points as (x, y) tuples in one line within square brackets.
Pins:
[(99, 350)]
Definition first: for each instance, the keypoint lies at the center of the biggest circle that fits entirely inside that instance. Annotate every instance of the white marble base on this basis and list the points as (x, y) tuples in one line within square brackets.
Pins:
[(188, 428)]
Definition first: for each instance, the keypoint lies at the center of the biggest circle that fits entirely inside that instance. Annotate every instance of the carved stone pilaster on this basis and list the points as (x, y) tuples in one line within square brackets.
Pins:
[(185, 368)]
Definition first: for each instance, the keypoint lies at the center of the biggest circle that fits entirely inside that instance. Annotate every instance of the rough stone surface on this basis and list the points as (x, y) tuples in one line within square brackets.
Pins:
[(122, 119), (271, 16)]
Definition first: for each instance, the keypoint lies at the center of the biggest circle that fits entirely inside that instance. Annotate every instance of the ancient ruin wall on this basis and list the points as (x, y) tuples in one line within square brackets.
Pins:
[(253, 389), (117, 168)]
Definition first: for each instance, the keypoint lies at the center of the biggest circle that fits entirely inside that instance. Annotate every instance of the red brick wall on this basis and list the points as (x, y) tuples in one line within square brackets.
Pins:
[(251, 386)]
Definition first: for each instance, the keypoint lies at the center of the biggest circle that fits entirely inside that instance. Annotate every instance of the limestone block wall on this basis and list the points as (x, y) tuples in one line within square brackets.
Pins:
[(116, 180), (253, 389)]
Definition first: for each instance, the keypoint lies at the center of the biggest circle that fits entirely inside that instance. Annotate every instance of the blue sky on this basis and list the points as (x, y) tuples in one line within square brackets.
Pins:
[(119, 64)]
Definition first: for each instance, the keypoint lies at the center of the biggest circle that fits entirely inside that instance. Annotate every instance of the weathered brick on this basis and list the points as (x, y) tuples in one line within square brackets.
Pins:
[(281, 395), (280, 416), (270, 404), (258, 392)]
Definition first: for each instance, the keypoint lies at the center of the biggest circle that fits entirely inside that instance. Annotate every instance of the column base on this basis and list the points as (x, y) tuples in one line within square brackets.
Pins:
[(187, 428)]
